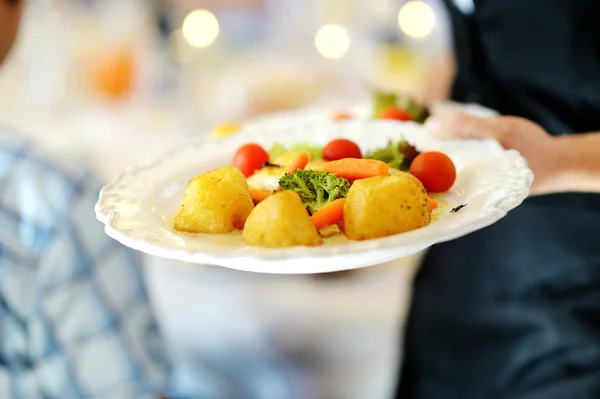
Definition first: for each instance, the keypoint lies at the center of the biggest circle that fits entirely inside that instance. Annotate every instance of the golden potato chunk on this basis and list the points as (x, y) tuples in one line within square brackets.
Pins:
[(215, 202), (279, 221), (385, 205)]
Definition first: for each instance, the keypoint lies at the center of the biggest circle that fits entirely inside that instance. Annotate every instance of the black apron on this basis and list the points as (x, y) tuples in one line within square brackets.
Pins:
[(513, 311)]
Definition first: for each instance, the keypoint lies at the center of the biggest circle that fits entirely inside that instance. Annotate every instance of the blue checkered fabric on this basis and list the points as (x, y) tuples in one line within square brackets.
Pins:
[(75, 321)]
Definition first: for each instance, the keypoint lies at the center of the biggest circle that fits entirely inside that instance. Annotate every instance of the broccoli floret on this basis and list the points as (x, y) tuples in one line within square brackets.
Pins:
[(316, 189)]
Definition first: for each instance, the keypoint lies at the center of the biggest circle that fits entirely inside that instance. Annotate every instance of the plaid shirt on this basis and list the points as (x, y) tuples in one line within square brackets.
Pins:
[(74, 315)]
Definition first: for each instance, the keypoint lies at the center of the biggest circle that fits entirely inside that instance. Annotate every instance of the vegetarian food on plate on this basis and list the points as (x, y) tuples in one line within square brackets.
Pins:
[(391, 106), (306, 195), (341, 116), (398, 155), (435, 170), (259, 195), (216, 202), (225, 129), (316, 189), (279, 149), (400, 107), (395, 113), (330, 214), (280, 221), (367, 210), (299, 162), (250, 158), (382, 101), (433, 204), (354, 169), (340, 149), (268, 177)]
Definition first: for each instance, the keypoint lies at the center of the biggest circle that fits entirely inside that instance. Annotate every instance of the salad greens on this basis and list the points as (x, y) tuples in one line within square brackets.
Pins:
[(279, 149), (398, 155), (382, 101), (385, 100)]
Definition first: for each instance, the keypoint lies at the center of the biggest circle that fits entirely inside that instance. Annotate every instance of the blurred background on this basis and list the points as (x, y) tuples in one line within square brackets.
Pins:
[(110, 83)]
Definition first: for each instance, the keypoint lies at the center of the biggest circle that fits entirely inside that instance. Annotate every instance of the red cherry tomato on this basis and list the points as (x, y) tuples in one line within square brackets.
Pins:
[(340, 149), (250, 158), (435, 170), (396, 114)]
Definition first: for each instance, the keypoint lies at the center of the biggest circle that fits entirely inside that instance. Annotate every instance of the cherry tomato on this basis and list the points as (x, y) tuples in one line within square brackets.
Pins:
[(340, 149), (435, 170), (250, 158), (396, 114)]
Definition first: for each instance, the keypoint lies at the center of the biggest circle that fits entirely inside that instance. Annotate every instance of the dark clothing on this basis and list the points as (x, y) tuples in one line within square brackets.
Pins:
[(539, 59), (513, 311)]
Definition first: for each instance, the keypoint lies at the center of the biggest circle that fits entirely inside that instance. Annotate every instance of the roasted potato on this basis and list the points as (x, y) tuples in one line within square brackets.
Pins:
[(279, 221), (385, 205), (215, 202)]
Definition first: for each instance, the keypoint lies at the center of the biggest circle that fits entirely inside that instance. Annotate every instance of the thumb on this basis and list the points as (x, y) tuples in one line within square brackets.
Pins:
[(457, 125)]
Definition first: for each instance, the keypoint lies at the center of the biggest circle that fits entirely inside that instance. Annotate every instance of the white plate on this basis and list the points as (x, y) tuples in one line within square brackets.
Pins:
[(360, 111), (138, 205)]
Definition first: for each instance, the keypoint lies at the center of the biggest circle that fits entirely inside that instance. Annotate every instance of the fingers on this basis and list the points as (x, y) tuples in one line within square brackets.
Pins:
[(463, 126)]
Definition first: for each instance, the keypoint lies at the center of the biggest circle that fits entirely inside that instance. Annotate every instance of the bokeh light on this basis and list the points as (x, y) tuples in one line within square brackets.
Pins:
[(332, 41), (200, 28), (416, 19)]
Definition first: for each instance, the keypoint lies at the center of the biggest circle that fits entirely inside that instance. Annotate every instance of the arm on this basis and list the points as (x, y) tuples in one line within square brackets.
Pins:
[(569, 163), (580, 156), (439, 80)]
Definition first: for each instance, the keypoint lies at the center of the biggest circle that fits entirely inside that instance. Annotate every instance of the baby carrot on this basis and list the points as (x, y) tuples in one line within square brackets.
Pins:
[(329, 214), (341, 116), (299, 163), (353, 169), (258, 195), (432, 203)]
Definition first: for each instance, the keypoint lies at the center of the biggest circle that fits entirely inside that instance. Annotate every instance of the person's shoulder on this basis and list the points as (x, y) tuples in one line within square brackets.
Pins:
[(47, 212), (38, 187), (17, 151)]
